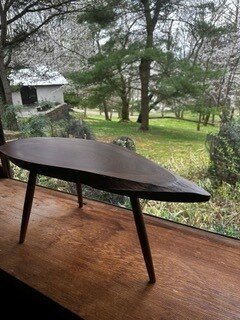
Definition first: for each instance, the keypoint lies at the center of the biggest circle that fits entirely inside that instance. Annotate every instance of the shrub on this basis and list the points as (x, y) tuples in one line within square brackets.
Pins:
[(79, 129), (224, 150), (33, 126), (45, 105), (72, 98), (69, 128), (8, 115)]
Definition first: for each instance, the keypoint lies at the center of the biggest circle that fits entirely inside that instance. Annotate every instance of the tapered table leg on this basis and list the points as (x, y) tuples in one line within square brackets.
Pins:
[(143, 238), (27, 205), (79, 193)]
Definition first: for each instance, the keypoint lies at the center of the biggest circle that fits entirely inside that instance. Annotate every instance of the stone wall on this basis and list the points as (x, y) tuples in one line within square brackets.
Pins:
[(59, 112)]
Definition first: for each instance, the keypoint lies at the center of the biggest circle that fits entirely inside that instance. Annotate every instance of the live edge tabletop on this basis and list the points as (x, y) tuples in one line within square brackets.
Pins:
[(103, 166)]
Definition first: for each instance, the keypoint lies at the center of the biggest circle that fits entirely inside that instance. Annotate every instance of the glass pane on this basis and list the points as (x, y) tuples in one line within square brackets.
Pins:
[(171, 96), (218, 215)]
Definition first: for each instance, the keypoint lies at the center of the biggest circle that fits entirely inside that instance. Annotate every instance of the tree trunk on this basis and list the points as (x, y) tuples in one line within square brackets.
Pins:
[(139, 119), (124, 94), (7, 94), (1, 93), (125, 109), (125, 113), (144, 70), (162, 112), (213, 118), (85, 112), (145, 64), (105, 109), (5, 84), (177, 114), (2, 138), (199, 121), (206, 119), (6, 171)]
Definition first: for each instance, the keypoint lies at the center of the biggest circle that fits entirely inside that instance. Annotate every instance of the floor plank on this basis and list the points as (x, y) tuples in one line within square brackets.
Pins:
[(89, 260)]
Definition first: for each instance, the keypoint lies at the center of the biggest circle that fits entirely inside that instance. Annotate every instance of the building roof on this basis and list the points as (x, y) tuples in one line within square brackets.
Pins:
[(38, 76)]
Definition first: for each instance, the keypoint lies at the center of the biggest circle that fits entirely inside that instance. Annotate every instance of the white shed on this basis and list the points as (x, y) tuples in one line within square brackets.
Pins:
[(32, 86)]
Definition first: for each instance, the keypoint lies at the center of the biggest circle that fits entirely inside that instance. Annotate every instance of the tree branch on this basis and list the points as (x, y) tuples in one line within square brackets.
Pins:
[(23, 36), (8, 5), (39, 8)]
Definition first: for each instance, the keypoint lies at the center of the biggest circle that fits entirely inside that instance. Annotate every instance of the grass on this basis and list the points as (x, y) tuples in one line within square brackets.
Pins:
[(166, 138)]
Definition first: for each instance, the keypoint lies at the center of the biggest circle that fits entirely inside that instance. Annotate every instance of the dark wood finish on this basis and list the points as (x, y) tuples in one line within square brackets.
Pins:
[(87, 260), (27, 205), (103, 166), (79, 194), (143, 238), (5, 172)]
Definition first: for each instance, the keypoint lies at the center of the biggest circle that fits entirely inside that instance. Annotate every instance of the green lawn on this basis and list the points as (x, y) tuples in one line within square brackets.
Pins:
[(167, 138)]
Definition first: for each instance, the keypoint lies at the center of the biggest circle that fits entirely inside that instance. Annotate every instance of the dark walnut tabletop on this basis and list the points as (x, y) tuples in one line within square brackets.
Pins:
[(102, 165)]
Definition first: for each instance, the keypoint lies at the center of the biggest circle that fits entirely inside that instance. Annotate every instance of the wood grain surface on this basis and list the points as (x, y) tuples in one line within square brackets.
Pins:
[(88, 260), (103, 166)]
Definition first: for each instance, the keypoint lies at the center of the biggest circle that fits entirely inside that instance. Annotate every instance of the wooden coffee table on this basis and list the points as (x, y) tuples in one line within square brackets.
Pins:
[(103, 166)]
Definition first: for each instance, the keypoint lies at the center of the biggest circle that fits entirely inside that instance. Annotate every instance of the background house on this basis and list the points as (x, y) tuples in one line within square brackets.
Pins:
[(33, 86)]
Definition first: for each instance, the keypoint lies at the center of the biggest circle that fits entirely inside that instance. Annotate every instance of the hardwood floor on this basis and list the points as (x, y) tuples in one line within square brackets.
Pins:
[(88, 260)]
